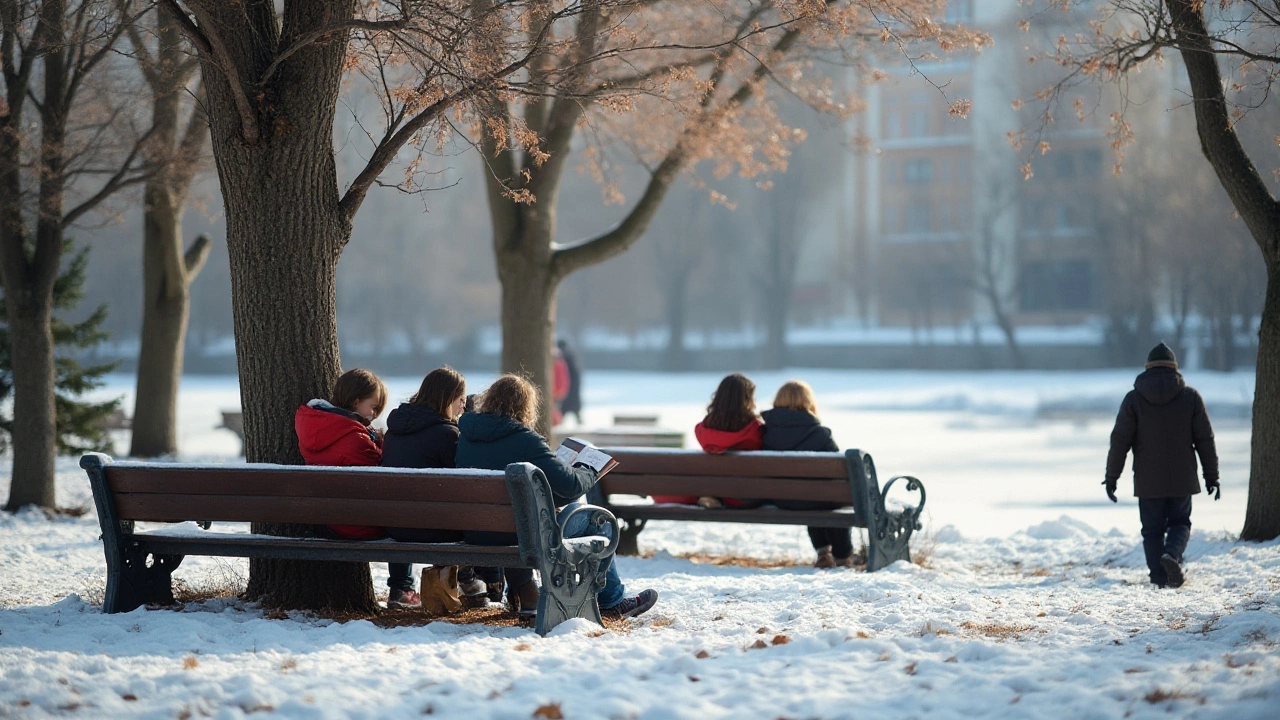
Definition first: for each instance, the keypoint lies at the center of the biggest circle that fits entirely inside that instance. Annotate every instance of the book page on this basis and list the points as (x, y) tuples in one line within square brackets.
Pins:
[(566, 454), (593, 458)]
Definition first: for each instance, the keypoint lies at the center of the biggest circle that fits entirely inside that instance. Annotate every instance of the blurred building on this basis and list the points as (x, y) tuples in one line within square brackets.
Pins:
[(948, 231)]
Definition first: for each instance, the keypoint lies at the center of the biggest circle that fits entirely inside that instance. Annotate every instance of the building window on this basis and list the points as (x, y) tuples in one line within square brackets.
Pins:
[(918, 171), (1064, 164), (1064, 216), (919, 124), (1057, 286), (919, 219)]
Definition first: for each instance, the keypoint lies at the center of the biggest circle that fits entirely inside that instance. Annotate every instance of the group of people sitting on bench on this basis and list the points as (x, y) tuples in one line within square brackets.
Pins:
[(791, 425), (436, 429), (442, 427)]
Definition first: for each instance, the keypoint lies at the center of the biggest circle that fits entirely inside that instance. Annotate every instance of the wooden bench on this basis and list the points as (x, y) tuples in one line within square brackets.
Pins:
[(847, 478), (140, 564)]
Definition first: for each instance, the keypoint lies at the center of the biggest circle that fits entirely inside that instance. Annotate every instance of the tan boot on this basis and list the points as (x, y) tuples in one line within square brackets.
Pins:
[(440, 590)]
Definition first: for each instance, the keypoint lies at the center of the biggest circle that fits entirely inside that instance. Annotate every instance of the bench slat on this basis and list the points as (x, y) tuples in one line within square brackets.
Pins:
[(343, 550), (770, 516), (764, 488), (321, 511), (337, 484), (781, 465)]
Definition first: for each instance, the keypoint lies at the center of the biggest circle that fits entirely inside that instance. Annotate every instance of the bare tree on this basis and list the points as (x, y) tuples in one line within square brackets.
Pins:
[(65, 140), (168, 266), (696, 77), (1242, 36)]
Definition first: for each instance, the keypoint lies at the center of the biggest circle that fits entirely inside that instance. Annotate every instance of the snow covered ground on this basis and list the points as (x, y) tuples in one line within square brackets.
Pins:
[(1031, 601)]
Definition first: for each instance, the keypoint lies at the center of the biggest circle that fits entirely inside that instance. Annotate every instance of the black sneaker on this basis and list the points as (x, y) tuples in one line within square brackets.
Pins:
[(633, 606), (1173, 569)]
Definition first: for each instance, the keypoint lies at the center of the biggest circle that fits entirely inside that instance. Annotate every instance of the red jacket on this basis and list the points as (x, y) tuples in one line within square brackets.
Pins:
[(332, 436), (750, 437)]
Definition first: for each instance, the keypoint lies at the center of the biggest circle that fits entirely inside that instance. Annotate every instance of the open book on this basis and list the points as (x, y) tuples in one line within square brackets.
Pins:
[(573, 451)]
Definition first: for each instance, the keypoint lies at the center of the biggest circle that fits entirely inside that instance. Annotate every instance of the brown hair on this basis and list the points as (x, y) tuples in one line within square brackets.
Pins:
[(355, 385), (796, 395), (512, 396), (440, 389), (733, 406)]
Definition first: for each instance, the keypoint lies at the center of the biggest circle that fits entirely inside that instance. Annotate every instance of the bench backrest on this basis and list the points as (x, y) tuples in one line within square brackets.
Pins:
[(439, 499), (764, 475)]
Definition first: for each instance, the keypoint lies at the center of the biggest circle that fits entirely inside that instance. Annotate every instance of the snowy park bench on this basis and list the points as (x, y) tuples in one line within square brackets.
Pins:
[(140, 564), (847, 478)]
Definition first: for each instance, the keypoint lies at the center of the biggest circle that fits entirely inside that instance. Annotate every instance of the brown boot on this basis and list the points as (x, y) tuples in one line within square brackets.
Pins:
[(474, 591), (524, 600), (440, 590), (825, 558)]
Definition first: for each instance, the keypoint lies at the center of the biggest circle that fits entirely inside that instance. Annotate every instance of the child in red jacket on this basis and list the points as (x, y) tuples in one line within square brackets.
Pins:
[(731, 424), (337, 432)]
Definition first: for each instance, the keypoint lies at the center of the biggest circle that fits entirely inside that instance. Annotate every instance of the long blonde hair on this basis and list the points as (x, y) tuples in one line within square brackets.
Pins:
[(796, 395)]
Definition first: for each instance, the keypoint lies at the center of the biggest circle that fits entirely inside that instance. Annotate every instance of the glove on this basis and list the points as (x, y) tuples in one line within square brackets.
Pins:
[(1211, 487), (1111, 489)]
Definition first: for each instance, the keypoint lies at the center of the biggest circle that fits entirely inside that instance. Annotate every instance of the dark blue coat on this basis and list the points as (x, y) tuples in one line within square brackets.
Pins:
[(491, 442), (417, 437), (787, 429)]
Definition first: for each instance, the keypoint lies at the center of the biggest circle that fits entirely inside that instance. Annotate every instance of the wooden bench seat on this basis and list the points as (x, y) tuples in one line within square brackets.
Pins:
[(140, 564), (847, 479)]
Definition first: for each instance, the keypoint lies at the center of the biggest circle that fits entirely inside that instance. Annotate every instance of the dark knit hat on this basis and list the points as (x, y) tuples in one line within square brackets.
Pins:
[(1161, 356)]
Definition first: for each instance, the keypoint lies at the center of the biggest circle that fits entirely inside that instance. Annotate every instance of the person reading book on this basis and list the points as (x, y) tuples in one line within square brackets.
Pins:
[(501, 433)]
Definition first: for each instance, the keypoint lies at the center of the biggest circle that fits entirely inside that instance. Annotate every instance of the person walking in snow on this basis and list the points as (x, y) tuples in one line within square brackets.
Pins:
[(1165, 424)]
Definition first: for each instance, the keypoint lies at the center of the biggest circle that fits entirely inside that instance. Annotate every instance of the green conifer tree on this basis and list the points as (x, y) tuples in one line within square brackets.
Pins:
[(82, 425)]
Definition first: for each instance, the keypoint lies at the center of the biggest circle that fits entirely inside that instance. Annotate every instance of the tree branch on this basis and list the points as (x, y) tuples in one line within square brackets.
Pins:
[(119, 180), (318, 34), (1218, 139), (212, 47)]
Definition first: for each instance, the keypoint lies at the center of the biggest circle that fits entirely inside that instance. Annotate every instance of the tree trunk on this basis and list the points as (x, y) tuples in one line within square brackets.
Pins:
[(1010, 334), (167, 271), (165, 309), (1262, 516), (676, 298), (35, 431), (529, 311), (285, 232)]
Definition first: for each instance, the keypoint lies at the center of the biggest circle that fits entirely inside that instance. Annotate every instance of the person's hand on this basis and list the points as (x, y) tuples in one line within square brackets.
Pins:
[(1111, 489), (1211, 487)]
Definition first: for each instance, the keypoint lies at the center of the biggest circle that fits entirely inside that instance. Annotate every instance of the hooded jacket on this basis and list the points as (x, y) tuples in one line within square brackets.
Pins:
[(492, 442), (329, 435), (787, 429), (1165, 424), (418, 437), (717, 442)]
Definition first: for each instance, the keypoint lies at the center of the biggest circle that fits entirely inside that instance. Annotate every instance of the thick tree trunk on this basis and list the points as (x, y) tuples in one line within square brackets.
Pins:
[(528, 312), (35, 431), (285, 233), (776, 312), (1262, 516)]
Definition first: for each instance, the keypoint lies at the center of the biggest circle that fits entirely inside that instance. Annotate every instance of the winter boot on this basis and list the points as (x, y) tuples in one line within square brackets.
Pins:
[(440, 590), (404, 600), (825, 558), (1173, 569), (524, 600), (474, 592)]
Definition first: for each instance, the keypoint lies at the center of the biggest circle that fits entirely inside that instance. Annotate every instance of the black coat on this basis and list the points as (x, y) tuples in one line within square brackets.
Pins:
[(417, 437), (1165, 424), (786, 429), (491, 442)]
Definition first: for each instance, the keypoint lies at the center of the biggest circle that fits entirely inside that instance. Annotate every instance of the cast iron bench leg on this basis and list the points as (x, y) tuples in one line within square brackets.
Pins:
[(629, 543), (132, 583)]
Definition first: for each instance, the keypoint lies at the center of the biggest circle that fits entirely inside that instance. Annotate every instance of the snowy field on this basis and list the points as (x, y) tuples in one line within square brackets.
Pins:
[(1031, 600)]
